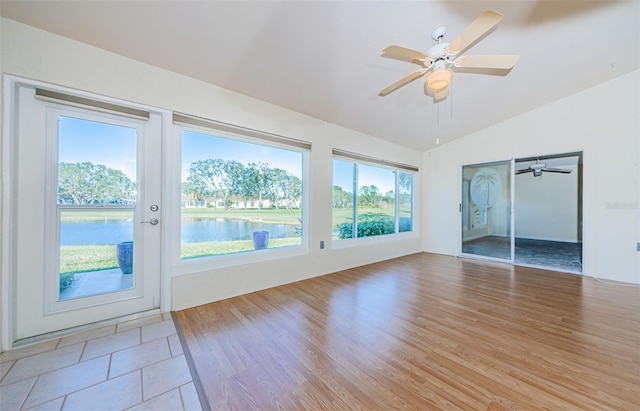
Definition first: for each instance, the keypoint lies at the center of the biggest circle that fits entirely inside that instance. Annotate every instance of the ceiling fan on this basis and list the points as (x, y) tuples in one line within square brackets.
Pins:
[(537, 168), (441, 58)]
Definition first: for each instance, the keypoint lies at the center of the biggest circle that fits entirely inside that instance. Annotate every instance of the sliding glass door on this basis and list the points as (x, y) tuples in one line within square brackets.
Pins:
[(486, 210)]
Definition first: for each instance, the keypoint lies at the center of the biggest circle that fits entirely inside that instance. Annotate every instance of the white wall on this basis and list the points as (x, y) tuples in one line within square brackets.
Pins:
[(547, 206), (604, 123), (35, 54)]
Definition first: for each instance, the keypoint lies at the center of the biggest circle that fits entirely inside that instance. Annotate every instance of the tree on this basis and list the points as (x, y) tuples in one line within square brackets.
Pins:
[(213, 178), (406, 181), (272, 187), (341, 198), (234, 175), (290, 189), (189, 190), (223, 179), (250, 186), (368, 196), (88, 183), (389, 197)]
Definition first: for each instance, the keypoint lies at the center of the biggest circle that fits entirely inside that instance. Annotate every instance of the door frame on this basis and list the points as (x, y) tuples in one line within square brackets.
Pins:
[(9, 305), (513, 208)]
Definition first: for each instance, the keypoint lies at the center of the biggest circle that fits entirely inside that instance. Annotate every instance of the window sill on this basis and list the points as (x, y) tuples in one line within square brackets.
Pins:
[(368, 241), (196, 265)]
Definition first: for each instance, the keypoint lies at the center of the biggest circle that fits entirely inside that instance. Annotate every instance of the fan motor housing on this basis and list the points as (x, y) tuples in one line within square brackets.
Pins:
[(438, 52)]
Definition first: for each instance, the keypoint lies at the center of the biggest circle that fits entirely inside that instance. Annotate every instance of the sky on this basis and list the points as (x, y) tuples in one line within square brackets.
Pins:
[(383, 178), (115, 147), (100, 143), (201, 146)]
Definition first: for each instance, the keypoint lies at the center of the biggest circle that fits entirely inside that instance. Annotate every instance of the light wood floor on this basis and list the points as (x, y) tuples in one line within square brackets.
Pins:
[(422, 332)]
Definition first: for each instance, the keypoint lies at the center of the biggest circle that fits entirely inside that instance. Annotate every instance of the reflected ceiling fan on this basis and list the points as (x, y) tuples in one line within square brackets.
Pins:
[(440, 59), (538, 168)]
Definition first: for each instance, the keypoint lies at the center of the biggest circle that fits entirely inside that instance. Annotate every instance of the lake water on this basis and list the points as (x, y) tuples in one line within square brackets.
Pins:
[(193, 231)]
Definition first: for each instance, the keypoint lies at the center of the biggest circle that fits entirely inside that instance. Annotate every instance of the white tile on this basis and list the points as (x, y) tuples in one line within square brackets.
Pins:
[(41, 363), (138, 357), (111, 343), (165, 376), (12, 396), (167, 401), (174, 345), (67, 380), (139, 322), (87, 335), (4, 368), (190, 399), (28, 350), (158, 330), (53, 405), (116, 394)]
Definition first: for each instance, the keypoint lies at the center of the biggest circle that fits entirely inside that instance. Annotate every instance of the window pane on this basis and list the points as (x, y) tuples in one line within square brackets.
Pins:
[(376, 201), (405, 202), (342, 206), (96, 166), (238, 196), (96, 252), (96, 163)]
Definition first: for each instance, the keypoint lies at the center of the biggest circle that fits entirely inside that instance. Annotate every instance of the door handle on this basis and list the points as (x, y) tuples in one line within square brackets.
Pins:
[(153, 221)]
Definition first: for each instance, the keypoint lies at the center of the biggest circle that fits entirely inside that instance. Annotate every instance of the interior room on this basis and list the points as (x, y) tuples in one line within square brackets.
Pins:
[(320, 205), (547, 213), (548, 227)]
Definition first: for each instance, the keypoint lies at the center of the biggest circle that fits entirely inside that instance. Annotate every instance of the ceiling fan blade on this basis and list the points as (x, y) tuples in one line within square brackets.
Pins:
[(557, 170), (479, 27), (504, 62), (406, 79), (526, 170), (405, 52)]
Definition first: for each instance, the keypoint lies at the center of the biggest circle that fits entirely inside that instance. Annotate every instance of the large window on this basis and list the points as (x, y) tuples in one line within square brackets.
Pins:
[(238, 195), (382, 203)]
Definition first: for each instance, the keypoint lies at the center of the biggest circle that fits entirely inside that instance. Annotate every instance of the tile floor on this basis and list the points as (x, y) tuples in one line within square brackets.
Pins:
[(135, 365)]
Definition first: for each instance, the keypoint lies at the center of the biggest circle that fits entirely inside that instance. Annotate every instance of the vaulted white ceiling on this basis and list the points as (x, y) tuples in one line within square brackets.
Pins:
[(323, 58)]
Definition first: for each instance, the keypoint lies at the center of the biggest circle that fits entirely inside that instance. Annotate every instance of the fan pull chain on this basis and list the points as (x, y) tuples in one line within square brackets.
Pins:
[(437, 123)]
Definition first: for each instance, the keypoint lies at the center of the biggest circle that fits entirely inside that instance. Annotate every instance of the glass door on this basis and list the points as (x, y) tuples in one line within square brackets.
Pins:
[(95, 206), (87, 228), (486, 210)]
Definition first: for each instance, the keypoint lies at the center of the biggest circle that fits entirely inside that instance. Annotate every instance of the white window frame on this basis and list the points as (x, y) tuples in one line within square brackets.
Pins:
[(237, 133), (394, 166)]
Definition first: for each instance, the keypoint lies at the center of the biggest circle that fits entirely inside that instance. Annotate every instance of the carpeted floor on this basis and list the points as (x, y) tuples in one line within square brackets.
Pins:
[(549, 254)]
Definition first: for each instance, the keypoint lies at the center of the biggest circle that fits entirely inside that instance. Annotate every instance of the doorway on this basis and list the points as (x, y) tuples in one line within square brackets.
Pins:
[(85, 231), (546, 217), (548, 214)]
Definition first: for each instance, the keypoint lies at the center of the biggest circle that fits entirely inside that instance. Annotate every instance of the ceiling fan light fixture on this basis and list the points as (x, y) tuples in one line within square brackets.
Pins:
[(439, 79)]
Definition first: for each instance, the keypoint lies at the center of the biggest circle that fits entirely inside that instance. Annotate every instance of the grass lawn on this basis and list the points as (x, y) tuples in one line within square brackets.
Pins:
[(79, 259), (205, 249), (83, 258)]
